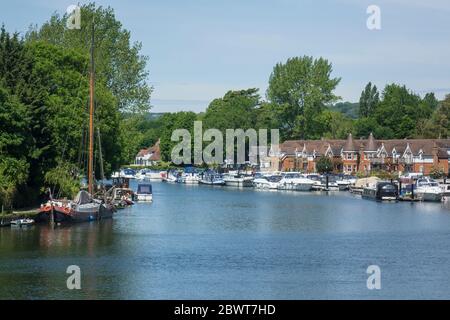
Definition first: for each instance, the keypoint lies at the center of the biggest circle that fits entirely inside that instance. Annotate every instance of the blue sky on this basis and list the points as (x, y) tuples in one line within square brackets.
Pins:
[(200, 49)]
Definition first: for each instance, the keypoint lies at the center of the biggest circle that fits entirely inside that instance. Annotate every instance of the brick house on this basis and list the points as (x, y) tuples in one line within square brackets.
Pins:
[(364, 155)]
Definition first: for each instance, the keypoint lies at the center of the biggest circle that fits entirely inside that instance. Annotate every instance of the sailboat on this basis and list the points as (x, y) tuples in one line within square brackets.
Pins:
[(85, 206)]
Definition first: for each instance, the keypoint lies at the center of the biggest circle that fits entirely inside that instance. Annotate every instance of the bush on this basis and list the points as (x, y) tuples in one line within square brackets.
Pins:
[(324, 165), (437, 173)]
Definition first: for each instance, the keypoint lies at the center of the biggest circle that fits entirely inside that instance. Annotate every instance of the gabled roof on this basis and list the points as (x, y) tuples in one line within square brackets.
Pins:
[(154, 151), (428, 146)]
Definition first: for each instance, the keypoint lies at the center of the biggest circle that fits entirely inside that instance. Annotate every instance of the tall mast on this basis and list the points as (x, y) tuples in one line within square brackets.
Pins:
[(91, 118), (102, 173)]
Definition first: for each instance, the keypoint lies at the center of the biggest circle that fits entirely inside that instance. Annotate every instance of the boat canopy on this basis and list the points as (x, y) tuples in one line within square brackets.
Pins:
[(83, 197), (144, 189), (364, 182)]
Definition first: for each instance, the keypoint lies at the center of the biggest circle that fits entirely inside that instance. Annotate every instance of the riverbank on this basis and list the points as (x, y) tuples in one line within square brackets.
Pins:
[(7, 217)]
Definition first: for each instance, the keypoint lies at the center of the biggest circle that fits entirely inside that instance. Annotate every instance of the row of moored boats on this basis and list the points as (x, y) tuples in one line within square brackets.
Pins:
[(418, 188)]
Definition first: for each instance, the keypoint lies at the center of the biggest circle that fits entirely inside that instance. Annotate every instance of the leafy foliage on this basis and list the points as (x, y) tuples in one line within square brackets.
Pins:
[(300, 89), (369, 100), (119, 63), (44, 91), (324, 165), (63, 178)]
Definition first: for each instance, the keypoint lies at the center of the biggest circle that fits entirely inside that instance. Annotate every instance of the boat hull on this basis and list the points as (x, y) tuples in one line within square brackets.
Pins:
[(144, 197), (62, 216), (296, 186), (239, 183), (212, 183), (431, 197)]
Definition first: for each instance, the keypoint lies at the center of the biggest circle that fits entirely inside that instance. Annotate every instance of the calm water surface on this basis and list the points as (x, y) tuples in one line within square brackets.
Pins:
[(200, 242)]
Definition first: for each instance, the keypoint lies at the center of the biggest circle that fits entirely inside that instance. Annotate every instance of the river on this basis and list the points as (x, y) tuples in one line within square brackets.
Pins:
[(201, 242)]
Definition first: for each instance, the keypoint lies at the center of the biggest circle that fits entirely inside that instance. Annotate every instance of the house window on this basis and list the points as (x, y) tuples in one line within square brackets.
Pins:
[(349, 156)]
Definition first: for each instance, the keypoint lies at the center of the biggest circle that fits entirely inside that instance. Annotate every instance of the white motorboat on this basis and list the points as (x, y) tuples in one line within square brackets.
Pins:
[(267, 182), (22, 222), (154, 175), (172, 177), (141, 174), (294, 181), (190, 178), (144, 192), (428, 190), (239, 181), (445, 187), (320, 184), (124, 173), (345, 182), (212, 179)]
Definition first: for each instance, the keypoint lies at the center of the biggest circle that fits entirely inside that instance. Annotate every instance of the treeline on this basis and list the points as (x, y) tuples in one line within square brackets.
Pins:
[(44, 95), (300, 101)]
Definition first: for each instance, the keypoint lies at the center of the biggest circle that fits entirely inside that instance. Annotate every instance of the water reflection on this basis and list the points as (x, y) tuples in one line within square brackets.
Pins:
[(202, 242)]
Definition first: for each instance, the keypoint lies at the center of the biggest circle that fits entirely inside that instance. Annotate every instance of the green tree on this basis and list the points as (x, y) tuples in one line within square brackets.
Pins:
[(369, 100), (399, 111), (324, 165), (437, 173), (119, 63), (236, 110), (14, 145), (173, 121), (300, 89), (44, 96), (438, 126), (364, 126), (335, 125), (13, 175)]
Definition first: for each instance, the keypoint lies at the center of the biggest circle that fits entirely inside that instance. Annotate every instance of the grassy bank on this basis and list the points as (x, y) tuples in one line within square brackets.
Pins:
[(18, 214)]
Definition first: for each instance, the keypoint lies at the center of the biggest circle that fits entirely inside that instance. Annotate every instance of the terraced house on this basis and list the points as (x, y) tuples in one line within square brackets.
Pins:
[(364, 155)]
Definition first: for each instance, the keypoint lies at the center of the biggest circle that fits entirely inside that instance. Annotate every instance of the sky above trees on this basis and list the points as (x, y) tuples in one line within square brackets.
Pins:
[(200, 50)]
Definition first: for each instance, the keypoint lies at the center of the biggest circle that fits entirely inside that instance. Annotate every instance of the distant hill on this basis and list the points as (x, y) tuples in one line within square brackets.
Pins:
[(154, 115), (350, 109)]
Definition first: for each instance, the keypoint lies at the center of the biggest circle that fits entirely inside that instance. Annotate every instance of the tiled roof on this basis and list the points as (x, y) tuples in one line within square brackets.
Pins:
[(428, 146), (154, 151), (350, 144), (371, 144)]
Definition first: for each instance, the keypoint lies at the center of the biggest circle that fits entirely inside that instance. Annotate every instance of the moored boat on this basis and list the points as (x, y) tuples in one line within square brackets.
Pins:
[(82, 208), (267, 182), (236, 180), (22, 222), (85, 206), (124, 173), (381, 191), (428, 190), (144, 192), (154, 175), (190, 178), (294, 181), (445, 187), (212, 179)]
